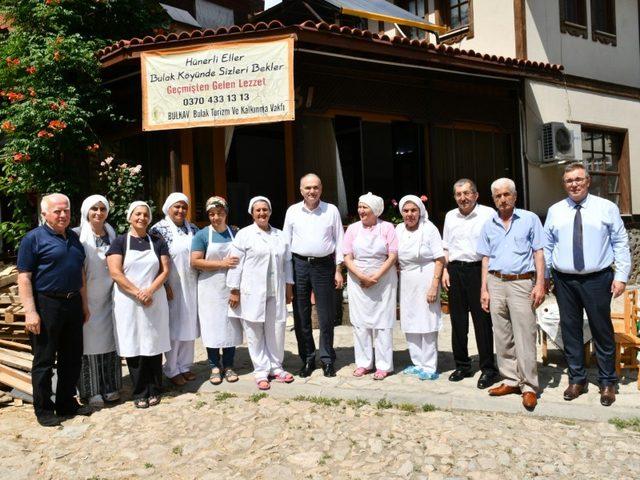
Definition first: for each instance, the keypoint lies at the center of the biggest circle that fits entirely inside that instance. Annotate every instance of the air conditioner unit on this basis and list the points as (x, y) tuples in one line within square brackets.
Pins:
[(561, 142)]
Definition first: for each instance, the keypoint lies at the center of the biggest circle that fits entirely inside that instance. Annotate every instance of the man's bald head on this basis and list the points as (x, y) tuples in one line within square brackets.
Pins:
[(311, 190)]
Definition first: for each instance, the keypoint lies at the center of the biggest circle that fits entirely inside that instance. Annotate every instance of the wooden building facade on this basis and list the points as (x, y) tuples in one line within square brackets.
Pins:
[(373, 113)]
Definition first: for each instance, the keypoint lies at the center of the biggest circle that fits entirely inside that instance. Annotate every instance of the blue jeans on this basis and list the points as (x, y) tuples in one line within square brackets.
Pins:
[(228, 353)]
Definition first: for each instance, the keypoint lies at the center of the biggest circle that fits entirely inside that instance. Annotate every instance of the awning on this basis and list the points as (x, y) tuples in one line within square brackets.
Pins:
[(181, 16), (384, 11)]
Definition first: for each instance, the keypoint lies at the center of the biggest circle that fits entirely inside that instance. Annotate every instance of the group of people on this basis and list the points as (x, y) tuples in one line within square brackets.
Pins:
[(92, 297)]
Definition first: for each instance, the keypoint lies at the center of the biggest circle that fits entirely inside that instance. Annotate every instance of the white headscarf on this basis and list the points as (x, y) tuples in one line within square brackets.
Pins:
[(136, 204), (85, 231), (259, 198), (424, 217), (374, 202), (175, 197)]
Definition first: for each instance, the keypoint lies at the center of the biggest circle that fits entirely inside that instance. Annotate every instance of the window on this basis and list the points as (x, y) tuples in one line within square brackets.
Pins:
[(603, 21), (573, 17), (458, 16), (418, 8), (602, 155)]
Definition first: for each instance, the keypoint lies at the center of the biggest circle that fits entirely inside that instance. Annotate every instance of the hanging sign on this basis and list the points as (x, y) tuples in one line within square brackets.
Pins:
[(218, 84)]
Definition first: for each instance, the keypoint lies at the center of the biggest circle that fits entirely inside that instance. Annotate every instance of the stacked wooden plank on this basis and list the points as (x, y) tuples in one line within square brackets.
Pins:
[(15, 352)]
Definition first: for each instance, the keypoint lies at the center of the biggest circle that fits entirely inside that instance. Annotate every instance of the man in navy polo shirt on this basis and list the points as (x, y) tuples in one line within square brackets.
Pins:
[(51, 285)]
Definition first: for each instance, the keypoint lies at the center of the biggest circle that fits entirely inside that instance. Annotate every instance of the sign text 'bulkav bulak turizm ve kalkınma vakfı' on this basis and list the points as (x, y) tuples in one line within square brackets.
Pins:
[(231, 83)]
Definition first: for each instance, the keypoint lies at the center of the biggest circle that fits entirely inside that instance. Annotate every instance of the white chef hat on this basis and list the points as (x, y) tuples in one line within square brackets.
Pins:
[(175, 197), (259, 198), (374, 202), (134, 205)]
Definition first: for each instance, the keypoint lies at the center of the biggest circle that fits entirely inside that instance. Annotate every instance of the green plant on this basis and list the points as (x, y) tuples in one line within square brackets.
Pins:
[(199, 404), (122, 184), (428, 407), (222, 396), (357, 402), (177, 450), (149, 465), (384, 404), (323, 459), (256, 397), (51, 98), (628, 423), (407, 407), (326, 401)]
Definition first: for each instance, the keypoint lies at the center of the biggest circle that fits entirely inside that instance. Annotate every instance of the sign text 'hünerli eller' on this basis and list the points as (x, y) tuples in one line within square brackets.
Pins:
[(218, 84)]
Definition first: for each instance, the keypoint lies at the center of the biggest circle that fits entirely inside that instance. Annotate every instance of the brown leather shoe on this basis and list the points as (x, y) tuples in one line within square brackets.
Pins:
[(607, 395), (574, 390), (178, 380), (529, 400), (503, 389)]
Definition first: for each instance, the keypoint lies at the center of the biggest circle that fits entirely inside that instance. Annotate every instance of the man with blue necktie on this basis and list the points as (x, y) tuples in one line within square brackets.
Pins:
[(585, 238)]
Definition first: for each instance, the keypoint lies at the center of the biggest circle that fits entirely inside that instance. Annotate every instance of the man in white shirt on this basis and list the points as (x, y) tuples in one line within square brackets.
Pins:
[(315, 232), (462, 279)]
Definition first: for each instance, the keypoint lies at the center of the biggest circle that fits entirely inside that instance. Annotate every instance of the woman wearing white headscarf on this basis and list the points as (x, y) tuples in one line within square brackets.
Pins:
[(139, 265), (182, 288), (261, 285), (421, 260), (370, 252), (101, 374)]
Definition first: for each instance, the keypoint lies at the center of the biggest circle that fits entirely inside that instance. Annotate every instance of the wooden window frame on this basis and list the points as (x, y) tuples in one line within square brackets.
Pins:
[(623, 173), (576, 28), (599, 35), (443, 17)]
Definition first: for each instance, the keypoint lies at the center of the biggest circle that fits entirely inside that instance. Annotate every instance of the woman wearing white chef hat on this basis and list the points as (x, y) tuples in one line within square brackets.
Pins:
[(261, 286), (182, 288)]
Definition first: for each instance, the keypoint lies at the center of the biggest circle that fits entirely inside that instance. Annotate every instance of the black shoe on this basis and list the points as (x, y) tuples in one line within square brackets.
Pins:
[(76, 410), (458, 374), (328, 370), (48, 419), (487, 379), (307, 369)]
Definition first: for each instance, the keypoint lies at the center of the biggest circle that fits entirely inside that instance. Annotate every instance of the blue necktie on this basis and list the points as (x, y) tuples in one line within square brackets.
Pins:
[(578, 252)]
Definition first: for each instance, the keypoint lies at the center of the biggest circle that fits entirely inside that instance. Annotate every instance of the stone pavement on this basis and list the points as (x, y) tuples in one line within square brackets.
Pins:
[(342, 428), (463, 395)]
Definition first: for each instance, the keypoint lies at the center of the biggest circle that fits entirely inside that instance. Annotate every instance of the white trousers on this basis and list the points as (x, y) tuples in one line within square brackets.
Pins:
[(365, 340), (179, 359), (423, 350), (265, 342)]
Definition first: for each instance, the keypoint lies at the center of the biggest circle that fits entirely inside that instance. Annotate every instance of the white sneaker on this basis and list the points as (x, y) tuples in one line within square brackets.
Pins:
[(96, 401), (112, 397)]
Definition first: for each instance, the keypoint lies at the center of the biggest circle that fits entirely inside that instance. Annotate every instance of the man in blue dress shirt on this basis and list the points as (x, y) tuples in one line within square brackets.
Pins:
[(52, 290), (511, 245), (585, 236)]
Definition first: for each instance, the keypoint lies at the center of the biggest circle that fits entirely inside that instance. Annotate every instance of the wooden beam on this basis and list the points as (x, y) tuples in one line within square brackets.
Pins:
[(15, 345), (219, 162), (10, 360), (16, 379), (289, 161), (186, 168), (520, 19)]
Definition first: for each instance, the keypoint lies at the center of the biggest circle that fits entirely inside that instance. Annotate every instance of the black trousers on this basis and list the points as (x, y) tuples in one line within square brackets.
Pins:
[(146, 375), (591, 292), (464, 297), (59, 343), (318, 276)]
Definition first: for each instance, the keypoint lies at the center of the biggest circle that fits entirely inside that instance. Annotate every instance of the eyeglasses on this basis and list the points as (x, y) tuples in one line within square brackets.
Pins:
[(579, 180)]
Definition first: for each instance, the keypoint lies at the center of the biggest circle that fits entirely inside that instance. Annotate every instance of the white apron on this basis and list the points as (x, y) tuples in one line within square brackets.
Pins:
[(141, 330), (416, 275), (373, 307), (218, 329), (98, 336), (183, 280)]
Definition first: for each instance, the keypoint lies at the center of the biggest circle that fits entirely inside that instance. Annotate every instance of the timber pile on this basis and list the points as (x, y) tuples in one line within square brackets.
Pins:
[(15, 351)]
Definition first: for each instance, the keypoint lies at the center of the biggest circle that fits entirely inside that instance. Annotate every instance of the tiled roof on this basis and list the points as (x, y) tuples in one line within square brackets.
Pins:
[(200, 36)]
